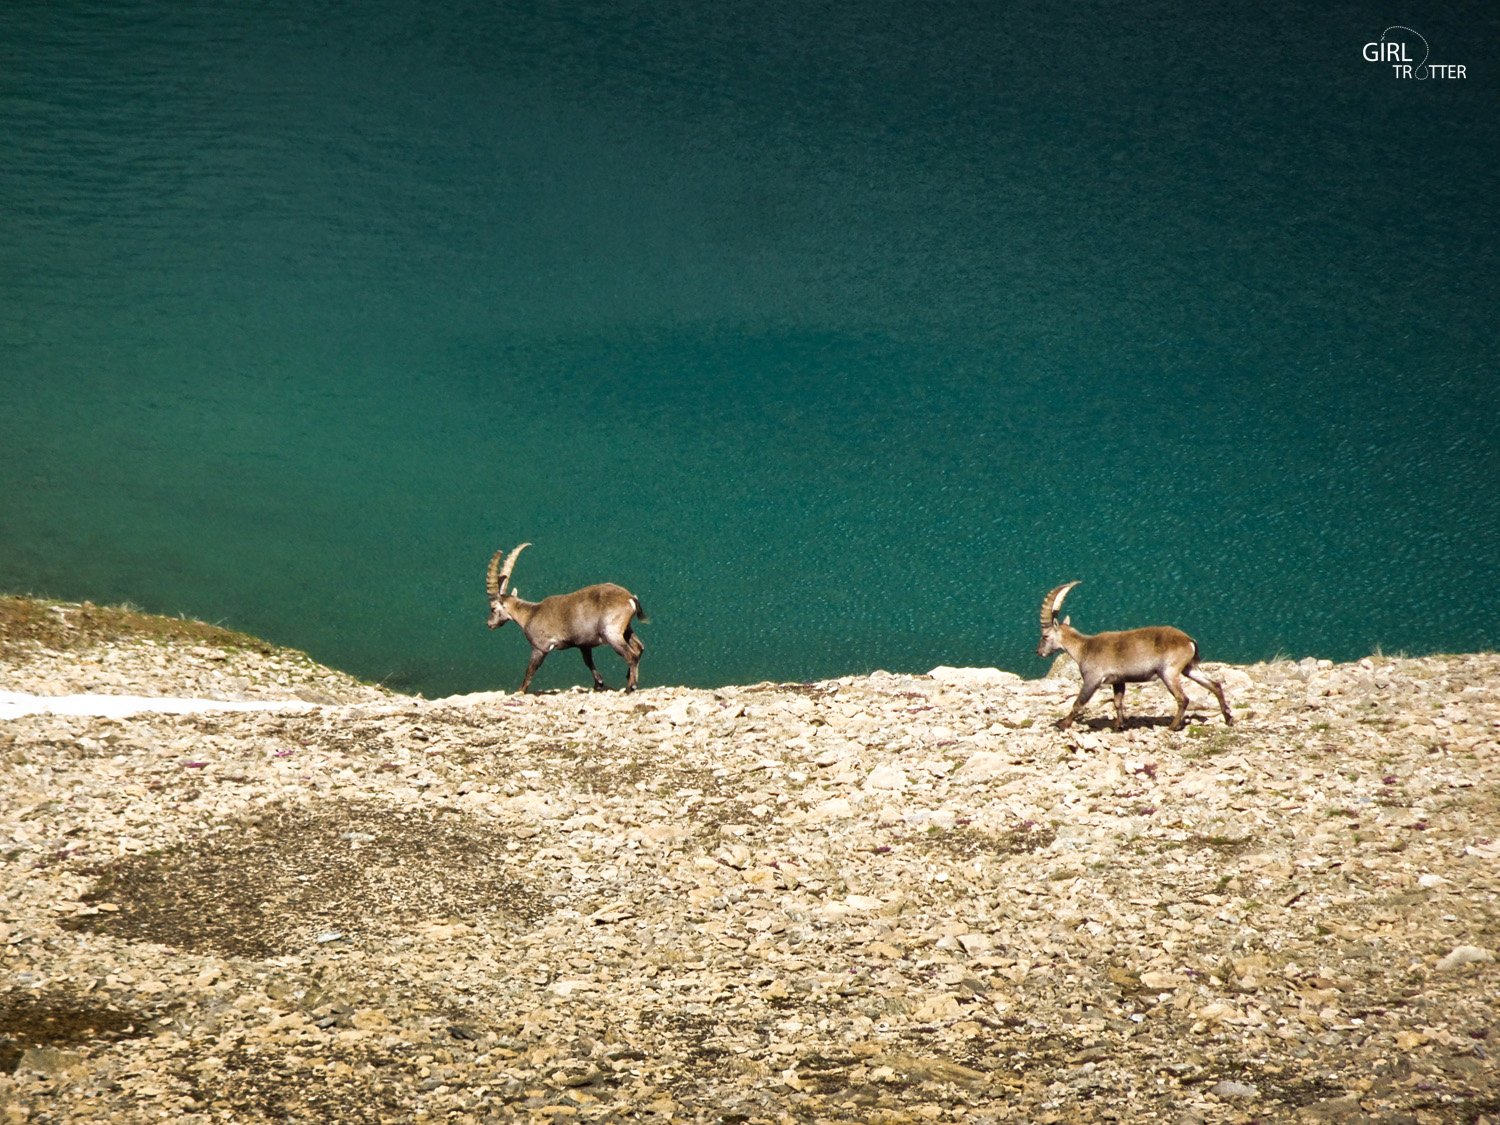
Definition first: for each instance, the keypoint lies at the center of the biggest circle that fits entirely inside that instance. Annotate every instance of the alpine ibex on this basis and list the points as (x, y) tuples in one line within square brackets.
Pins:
[(595, 615), (1126, 657)]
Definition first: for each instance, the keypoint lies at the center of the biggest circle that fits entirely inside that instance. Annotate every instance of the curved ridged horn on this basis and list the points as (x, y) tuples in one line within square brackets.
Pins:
[(492, 576), (1053, 602), (498, 577)]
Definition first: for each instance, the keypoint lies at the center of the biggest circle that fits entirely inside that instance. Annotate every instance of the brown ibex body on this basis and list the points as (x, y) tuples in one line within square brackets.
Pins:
[(584, 619), (1126, 657)]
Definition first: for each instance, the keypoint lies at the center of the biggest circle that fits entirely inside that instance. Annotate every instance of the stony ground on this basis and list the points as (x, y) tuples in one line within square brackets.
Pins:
[(876, 899)]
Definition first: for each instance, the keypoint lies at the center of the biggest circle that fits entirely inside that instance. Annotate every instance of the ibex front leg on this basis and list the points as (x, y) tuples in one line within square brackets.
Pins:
[(537, 656), (1173, 683), (1085, 693)]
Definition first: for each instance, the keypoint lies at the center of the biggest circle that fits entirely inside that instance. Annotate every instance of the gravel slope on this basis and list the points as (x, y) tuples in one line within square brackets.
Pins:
[(884, 898)]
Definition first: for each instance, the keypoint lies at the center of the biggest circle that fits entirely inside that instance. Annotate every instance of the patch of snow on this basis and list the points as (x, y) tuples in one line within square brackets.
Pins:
[(15, 704)]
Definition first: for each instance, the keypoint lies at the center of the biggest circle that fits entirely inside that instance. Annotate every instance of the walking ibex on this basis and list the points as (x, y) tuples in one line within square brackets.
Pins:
[(1127, 657), (584, 619)]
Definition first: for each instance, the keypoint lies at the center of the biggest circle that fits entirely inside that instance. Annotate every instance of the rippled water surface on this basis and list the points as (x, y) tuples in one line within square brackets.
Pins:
[(839, 333)]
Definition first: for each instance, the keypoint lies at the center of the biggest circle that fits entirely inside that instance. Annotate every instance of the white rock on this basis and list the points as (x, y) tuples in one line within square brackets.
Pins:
[(49, 1062), (1163, 981), (1234, 1090), (984, 765), (835, 808), (1464, 955), (973, 677), (1230, 679), (886, 777), (976, 944)]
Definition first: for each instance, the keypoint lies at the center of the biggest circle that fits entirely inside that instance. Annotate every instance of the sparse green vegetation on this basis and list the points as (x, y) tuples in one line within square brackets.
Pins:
[(66, 627), (1207, 742), (1220, 842), (54, 647)]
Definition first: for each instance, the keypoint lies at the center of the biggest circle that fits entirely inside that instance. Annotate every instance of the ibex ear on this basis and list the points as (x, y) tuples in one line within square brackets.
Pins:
[(1067, 621)]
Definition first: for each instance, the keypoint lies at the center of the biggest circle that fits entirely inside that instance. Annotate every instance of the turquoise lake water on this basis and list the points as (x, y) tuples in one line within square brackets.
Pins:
[(839, 333)]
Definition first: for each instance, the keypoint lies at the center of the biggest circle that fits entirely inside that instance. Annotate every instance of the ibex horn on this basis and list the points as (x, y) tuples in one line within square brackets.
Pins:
[(492, 576), (1053, 602), (499, 574)]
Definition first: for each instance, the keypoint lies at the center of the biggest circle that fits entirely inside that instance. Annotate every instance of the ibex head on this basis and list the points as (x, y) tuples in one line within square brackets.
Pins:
[(1051, 628), (495, 583)]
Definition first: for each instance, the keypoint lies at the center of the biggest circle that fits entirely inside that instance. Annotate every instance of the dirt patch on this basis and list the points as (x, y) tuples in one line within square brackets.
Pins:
[(1021, 838), (591, 768), (290, 876), (812, 690), (61, 1019), (1225, 845), (260, 1086)]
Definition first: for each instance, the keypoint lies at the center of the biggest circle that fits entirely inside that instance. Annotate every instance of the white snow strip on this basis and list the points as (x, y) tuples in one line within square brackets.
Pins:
[(14, 704)]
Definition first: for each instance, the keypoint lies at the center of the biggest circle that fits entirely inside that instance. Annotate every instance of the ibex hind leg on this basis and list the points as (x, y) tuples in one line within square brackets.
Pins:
[(1119, 707), (588, 659), (1174, 685), (629, 647), (1196, 675)]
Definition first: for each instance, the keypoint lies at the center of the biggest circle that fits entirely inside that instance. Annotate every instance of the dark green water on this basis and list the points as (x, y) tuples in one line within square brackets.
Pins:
[(837, 332)]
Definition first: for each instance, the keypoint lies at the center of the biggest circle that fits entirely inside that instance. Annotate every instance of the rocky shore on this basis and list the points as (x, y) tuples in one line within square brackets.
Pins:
[(888, 898)]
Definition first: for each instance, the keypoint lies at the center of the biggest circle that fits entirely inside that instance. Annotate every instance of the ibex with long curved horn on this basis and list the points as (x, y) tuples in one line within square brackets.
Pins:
[(1126, 657), (584, 619)]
